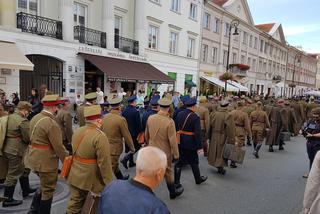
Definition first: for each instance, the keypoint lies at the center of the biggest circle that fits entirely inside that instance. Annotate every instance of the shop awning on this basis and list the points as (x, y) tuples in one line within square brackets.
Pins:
[(239, 86), (125, 70), (12, 58), (190, 83), (220, 83)]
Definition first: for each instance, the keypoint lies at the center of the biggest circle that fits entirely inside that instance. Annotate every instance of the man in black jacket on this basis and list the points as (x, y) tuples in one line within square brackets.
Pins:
[(188, 125)]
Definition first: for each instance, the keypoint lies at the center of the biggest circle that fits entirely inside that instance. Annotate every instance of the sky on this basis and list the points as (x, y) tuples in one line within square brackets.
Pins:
[(300, 20)]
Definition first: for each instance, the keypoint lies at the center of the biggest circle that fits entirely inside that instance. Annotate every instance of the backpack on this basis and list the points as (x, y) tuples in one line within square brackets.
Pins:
[(3, 131)]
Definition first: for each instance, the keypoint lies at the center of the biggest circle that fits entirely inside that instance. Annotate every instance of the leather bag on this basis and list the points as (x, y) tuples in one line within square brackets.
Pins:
[(91, 204)]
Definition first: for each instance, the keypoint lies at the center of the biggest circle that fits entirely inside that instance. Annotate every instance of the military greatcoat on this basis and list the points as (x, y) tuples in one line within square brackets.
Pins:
[(259, 123), (222, 131)]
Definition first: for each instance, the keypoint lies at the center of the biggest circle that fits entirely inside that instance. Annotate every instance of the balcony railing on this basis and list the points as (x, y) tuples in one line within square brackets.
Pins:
[(39, 25), (126, 45), (90, 36)]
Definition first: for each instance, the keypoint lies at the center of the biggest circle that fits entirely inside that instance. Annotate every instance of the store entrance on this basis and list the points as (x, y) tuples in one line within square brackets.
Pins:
[(93, 78), (129, 86)]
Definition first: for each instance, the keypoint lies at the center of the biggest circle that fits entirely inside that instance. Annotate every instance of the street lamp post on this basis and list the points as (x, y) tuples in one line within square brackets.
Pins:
[(297, 56), (234, 24)]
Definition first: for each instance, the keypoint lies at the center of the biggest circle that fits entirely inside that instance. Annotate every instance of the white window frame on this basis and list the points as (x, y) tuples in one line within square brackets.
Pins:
[(28, 7), (191, 47), (214, 55), (216, 27), (204, 52), (225, 57), (226, 30), (157, 29), (245, 37), (250, 41), (175, 6), (155, 1), (193, 12), (120, 24), (173, 49), (85, 13), (255, 42), (206, 20)]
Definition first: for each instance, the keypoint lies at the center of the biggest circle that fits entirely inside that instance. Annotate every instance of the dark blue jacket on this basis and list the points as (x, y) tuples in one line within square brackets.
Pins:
[(145, 117), (133, 119), (177, 111), (192, 142), (130, 197)]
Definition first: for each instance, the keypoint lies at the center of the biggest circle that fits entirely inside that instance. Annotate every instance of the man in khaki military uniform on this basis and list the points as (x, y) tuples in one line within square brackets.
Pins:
[(160, 132), (3, 160), (222, 131), (44, 153), (15, 145), (64, 120), (259, 123), (242, 123), (116, 129), (291, 117), (91, 99), (91, 169), (298, 111), (203, 113)]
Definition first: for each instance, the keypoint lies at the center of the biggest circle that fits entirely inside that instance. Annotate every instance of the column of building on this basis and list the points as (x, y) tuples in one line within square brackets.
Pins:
[(108, 22), (140, 31)]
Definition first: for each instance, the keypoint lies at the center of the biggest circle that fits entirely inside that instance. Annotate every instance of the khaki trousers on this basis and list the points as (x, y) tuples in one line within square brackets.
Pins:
[(77, 199)]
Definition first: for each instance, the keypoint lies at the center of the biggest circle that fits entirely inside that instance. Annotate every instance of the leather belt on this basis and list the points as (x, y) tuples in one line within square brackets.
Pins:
[(41, 147), (85, 160), (17, 137), (185, 133)]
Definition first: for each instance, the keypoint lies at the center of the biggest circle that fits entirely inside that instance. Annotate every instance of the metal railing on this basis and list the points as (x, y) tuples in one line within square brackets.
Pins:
[(90, 36), (39, 25), (126, 45)]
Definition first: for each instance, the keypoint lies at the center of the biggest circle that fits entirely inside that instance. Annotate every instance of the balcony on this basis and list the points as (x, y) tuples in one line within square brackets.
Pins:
[(90, 36), (126, 45), (240, 70), (39, 25), (276, 79)]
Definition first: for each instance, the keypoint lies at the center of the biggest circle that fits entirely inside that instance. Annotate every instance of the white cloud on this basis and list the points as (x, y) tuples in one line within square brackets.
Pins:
[(300, 29)]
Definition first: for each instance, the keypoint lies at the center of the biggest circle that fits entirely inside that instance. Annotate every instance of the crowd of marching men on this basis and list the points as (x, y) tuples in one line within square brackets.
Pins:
[(167, 133)]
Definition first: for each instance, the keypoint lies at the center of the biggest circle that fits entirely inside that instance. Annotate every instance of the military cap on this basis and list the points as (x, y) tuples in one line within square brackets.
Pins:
[(91, 96), (224, 103), (240, 103), (154, 101), (24, 105), (115, 102), (51, 100), (259, 103), (184, 98), (92, 112), (191, 102), (202, 99), (280, 101), (164, 102), (132, 99)]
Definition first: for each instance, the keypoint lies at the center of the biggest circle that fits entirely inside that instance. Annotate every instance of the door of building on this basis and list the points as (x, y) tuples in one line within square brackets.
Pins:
[(47, 71)]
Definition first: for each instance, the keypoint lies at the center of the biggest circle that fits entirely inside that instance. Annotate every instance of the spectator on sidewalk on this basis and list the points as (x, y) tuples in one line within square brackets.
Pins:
[(99, 96), (34, 100), (136, 195)]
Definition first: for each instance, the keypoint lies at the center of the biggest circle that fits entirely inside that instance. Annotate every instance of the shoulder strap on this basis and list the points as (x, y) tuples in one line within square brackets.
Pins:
[(35, 126), (185, 121), (81, 139)]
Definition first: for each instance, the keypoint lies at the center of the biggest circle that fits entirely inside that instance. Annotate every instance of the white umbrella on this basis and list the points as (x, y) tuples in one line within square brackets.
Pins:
[(313, 93)]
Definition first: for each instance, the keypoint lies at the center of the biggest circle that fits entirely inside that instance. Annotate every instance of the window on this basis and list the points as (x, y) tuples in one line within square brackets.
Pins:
[(271, 50), (173, 46), (227, 29), (206, 20), (249, 62), (28, 6), (191, 46), (261, 45), (79, 14), (204, 53), (153, 37), (243, 59), (216, 27), (250, 41), (234, 58), (245, 37), (265, 47), (225, 57), (193, 11), (118, 25), (175, 5), (254, 62), (214, 55), (255, 42)]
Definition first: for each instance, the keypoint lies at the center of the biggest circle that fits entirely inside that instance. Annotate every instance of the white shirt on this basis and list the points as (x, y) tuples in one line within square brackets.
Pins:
[(100, 97)]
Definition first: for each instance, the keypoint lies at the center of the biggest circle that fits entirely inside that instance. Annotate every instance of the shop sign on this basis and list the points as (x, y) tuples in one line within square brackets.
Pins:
[(114, 54)]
